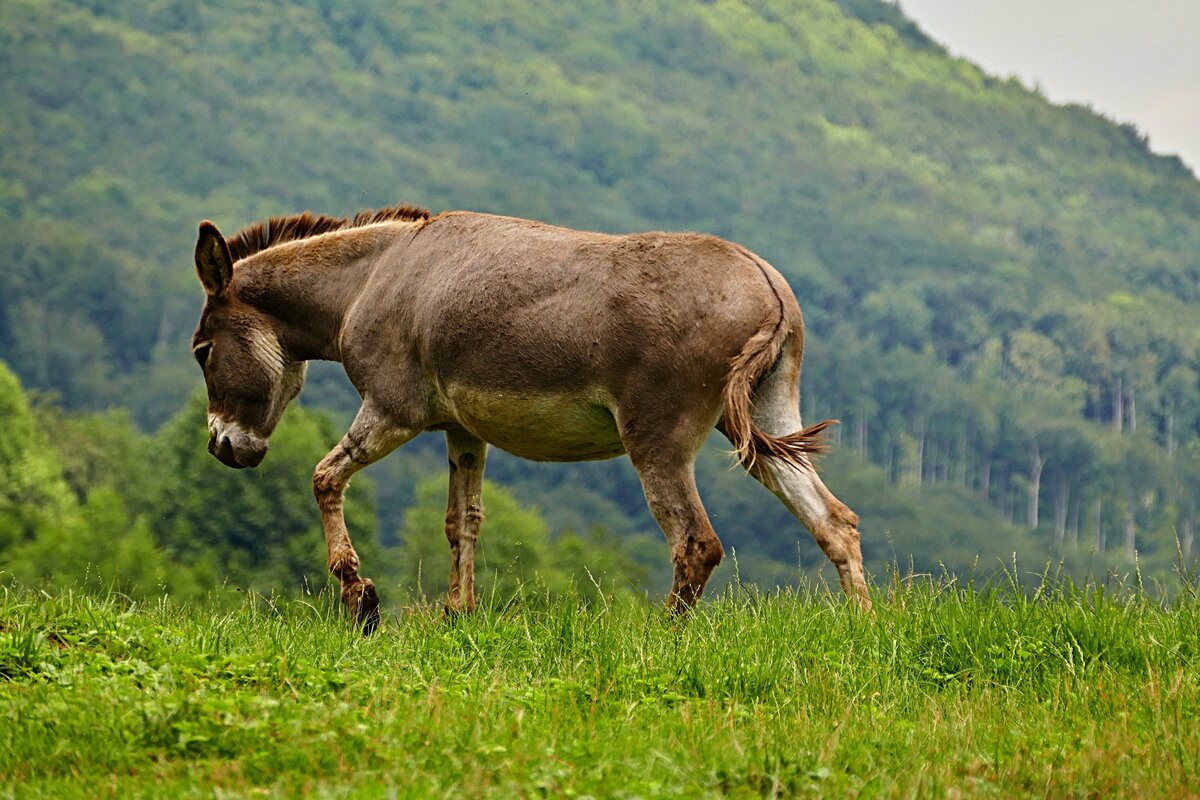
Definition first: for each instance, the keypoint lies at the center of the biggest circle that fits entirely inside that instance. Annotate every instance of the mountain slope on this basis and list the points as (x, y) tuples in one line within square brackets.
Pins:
[(1001, 293)]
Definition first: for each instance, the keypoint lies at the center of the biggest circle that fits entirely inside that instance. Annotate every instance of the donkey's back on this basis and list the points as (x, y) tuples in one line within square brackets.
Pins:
[(543, 340)]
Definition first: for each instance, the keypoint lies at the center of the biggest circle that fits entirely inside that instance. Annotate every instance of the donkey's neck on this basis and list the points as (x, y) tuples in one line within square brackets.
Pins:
[(309, 285)]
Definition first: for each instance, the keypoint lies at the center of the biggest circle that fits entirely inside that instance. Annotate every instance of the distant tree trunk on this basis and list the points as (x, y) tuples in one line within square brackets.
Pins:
[(985, 479), (1171, 427), (1075, 524), (1130, 530), (165, 330), (1118, 406), (1035, 485), (921, 454), (1099, 527), (1062, 497), (861, 430), (1189, 536), (962, 461), (1132, 405)]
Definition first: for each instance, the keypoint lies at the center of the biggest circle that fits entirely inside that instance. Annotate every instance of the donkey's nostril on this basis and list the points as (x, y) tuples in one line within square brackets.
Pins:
[(212, 444), (224, 453)]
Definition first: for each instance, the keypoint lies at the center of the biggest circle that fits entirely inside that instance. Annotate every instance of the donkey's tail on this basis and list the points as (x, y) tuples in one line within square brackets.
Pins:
[(747, 368)]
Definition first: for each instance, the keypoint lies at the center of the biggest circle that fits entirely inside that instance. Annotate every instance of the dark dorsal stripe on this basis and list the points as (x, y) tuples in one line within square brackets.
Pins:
[(276, 230)]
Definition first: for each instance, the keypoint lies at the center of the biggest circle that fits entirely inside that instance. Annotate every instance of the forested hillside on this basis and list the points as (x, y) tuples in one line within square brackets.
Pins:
[(1001, 294)]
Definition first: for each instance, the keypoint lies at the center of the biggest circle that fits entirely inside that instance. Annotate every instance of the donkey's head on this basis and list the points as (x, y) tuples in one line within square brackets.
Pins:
[(249, 376)]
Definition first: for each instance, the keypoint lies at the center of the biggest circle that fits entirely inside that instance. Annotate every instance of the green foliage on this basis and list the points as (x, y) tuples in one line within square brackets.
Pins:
[(34, 498), (105, 549), (89, 539), (100, 506), (515, 553), (101, 450), (510, 552)]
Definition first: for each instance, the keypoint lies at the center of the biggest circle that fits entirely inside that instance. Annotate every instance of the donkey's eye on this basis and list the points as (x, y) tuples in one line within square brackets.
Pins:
[(202, 353)]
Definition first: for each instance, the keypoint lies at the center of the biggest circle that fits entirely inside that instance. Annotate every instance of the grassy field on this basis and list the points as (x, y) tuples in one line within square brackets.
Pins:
[(942, 691)]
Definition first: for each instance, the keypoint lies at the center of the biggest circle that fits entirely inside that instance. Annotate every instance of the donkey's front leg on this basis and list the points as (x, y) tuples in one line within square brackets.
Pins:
[(464, 515), (369, 439)]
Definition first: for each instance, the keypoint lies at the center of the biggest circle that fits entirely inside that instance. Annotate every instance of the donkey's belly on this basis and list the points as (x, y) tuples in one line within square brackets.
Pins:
[(544, 426)]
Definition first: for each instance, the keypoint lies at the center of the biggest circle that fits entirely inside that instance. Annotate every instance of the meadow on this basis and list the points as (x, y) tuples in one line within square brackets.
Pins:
[(944, 690)]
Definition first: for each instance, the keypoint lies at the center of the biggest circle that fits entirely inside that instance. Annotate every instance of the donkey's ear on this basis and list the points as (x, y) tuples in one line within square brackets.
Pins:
[(213, 263)]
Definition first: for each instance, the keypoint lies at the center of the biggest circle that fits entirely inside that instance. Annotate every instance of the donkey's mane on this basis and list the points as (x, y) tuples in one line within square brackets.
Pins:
[(276, 230)]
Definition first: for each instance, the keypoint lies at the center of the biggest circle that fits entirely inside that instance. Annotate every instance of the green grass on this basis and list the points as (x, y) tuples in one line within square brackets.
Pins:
[(940, 692)]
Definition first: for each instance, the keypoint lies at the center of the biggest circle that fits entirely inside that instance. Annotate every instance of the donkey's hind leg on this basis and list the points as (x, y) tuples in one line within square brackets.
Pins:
[(695, 549), (832, 523), (464, 515), (665, 461), (369, 439)]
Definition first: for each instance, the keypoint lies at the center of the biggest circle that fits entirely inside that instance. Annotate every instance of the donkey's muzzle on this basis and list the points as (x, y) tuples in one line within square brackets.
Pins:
[(225, 452)]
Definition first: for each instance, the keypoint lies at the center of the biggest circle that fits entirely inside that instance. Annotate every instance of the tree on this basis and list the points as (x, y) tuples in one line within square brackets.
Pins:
[(34, 498), (105, 549), (1181, 405), (86, 539), (513, 546), (257, 528), (1143, 470)]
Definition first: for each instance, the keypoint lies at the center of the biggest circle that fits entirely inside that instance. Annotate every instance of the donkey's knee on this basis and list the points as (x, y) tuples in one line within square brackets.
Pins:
[(837, 533), (473, 514), (462, 525), (328, 488), (838, 547), (344, 564)]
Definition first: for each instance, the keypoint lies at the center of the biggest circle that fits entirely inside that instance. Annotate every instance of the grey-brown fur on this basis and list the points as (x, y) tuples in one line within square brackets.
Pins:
[(553, 344)]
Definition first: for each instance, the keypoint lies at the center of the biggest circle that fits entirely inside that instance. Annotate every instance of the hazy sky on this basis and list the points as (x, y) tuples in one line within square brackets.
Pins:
[(1134, 61)]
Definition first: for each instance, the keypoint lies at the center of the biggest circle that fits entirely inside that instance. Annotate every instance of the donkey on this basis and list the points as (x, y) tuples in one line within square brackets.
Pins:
[(550, 343)]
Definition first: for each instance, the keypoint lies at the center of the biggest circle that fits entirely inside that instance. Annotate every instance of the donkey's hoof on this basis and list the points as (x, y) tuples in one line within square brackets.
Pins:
[(454, 610), (363, 602), (683, 600)]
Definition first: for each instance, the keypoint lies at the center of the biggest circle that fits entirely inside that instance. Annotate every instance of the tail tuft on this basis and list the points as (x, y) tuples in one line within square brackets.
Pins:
[(756, 358), (792, 448)]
